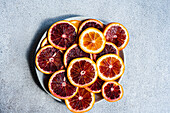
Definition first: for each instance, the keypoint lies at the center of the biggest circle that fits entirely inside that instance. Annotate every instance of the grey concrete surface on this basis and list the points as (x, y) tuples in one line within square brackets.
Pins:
[(146, 80)]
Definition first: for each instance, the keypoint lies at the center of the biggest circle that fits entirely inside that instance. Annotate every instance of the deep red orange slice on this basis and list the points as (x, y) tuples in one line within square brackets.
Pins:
[(60, 87), (62, 34), (90, 23), (74, 52), (83, 101), (110, 67), (117, 34), (110, 48), (96, 86), (112, 91), (82, 72), (49, 59)]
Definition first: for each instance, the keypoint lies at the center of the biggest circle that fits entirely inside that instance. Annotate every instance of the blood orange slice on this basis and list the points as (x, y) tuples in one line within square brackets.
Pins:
[(90, 23), (117, 34), (96, 86), (92, 40), (62, 34), (76, 23), (82, 72), (49, 59), (110, 48), (110, 67), (112, 91), (83, 101), (44, 42), (74, 52), (60, 87)]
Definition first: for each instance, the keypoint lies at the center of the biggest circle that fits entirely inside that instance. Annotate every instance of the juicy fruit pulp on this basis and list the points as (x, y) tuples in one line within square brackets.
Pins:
[(91, 23), (60, 87), (49, 60), (83, 101), (62, 34), (92, 40), (112, 91), (96, 86), (110, 48), (117, 34), (110, 67), (74, 52), (82, 72)]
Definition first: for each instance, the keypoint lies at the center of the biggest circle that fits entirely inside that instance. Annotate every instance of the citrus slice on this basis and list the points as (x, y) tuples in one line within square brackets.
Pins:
[(117, 34), (90, 23), (82, 72), (92, 40), (74, 52), (44, 42), (96, 86), (83, 101), (62, 34), (60, 87), (49, 59), (110, 48), (76, 23), (110, 67), (112, 91)]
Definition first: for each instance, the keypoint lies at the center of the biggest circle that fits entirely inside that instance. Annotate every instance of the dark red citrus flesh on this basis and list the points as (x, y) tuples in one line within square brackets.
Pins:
[(61, 86), (97, 85), (82, 72), (108, 71), (109, 49), (112, 91), (92, 24), (76, 52), (116, 35), (63, 35), (81, 100), (50, 59)]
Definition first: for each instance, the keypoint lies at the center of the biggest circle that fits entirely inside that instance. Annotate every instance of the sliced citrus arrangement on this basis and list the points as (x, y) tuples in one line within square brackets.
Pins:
[(44, 42), (110, 67), (83, 101), (90, 23), (92, 40), (110, 48), (49, 59), (117, 34), (112, 91), (76, 23), (82, 58), (82, 72), (96, 86), (62, 34), (60, 87), (74, 52)]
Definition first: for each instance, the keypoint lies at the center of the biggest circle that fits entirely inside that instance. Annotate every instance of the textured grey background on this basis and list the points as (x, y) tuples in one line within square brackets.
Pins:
[(146, 80)]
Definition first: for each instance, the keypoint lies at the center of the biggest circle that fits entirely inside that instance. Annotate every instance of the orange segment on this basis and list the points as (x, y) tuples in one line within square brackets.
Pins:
[(92, 40), (82, 72), (112, 91), (83, 101), (117, 34), (110, 67), (44, 42), (76, 23)]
